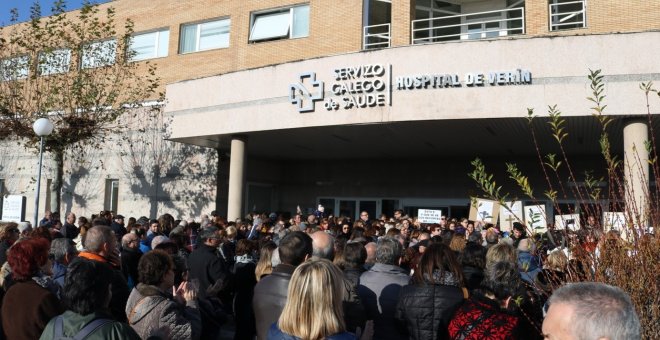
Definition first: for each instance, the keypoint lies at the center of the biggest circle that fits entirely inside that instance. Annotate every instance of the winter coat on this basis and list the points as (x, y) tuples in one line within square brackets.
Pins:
[(70, 231), (119, 286), (379, 291), (74, 322), (426, 308), (270, 295), (59, 271), (483, 318), (206, 265), (274, 333), (26, 309), (244, 282), (150, 308), (129, 265)]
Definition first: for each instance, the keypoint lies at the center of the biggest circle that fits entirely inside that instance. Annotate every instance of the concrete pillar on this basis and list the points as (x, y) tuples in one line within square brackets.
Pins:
[(236, 177), (636, 169)]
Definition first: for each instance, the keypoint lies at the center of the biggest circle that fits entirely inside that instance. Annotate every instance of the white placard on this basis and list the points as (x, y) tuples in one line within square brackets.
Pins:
[(570, 221), (535, 218), (514, 213), (429, 216), (614, 221), (13, 208)]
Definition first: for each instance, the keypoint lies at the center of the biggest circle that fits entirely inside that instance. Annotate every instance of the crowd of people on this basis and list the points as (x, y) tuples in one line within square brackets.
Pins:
[(305, 277)]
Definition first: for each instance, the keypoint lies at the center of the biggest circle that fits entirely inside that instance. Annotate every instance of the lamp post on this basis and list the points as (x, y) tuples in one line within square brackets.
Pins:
[(42, 127)]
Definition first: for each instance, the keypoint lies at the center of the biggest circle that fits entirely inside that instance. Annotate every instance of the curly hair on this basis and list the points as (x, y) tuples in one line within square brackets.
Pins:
[(27, 257), (153, 267)]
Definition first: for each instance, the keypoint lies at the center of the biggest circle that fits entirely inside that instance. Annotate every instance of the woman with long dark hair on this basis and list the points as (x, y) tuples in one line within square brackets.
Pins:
[(436, 291)]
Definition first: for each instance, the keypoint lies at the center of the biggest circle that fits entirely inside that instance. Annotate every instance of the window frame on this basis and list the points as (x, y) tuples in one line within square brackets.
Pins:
[(156, 47), (291, 15), (198, 33)]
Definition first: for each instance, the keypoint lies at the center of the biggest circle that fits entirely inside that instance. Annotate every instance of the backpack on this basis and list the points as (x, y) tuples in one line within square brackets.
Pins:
[(91, 327)]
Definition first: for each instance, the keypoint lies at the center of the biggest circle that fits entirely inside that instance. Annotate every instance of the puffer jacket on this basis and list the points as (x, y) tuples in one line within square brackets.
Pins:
[(149, 308), (427, 308)]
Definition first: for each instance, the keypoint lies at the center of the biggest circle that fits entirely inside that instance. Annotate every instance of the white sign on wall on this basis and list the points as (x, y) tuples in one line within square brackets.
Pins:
[(13, 208), (429, 216)]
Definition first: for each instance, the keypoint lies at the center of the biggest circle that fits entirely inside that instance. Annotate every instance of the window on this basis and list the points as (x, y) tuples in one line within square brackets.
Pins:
[(54, 62), (204, 36), (149, 45), (111, 194), (14, 68), (98, 54), (287, 23), (567, 14)]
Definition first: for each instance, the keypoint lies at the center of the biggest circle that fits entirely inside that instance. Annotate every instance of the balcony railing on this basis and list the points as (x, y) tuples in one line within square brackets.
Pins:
[(376, 36), (479, 25), (568, 15)]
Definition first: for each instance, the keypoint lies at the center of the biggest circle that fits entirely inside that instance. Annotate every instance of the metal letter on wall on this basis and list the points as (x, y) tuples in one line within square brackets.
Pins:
[(303, 98)]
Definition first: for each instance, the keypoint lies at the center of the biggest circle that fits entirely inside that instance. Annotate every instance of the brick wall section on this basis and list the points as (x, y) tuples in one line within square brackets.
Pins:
[(403, 14), (335, 28)]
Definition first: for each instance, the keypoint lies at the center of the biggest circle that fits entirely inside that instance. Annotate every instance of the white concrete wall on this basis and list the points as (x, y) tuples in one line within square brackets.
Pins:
[(257, 100)]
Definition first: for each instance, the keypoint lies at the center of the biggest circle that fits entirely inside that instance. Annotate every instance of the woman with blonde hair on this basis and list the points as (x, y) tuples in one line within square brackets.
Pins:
[(313, 310)]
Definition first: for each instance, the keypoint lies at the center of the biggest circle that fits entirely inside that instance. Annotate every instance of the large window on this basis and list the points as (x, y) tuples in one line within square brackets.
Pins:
[(149, 45), (285, 23), (14, 68), (54, 62), (99, 53), (204, 36)]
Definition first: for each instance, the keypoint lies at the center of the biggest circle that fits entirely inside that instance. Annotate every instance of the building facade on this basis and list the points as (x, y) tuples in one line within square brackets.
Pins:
[(370, 105)]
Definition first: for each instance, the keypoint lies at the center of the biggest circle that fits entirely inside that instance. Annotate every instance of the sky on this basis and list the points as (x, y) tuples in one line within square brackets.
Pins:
[(23, 7)]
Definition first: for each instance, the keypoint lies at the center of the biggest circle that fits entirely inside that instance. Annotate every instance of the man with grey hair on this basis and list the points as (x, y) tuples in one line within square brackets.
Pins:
[(323, 247), (371, 255), (101, 246), (380, 286), (591, 310), (62, 252)]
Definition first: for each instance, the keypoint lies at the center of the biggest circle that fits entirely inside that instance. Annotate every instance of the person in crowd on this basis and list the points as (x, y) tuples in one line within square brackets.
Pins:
[(244, 281), (380, 287), (24, 229), (206, 265), (427, 305), (271, 293), (501, 253), (9, 234), (457, 243), (492, 237), (32, 300), (554, 272), (353, 262), (62, 252), (518, 233), (591, 310), (370, 248), (323, 248), (485, 314), (228, 247), (528, 262), (82, 231), (118, 227), (47, 221), (264, 265), (180, 266), (69, 229), (87, 296), (101, 246), (473, 261), (130, 257), (152, 305), (313, 309)]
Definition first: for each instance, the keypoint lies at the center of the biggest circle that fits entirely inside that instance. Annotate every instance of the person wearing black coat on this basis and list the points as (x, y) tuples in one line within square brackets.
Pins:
[(473, 262), (244, 280), (130, 257), (427, 305), (205, 264)]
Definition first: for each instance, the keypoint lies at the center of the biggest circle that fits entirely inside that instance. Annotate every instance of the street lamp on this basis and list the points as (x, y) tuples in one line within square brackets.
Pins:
[(42, 127)]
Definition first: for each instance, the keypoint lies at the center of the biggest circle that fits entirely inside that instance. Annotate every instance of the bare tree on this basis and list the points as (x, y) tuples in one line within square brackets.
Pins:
[(74, 68)]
